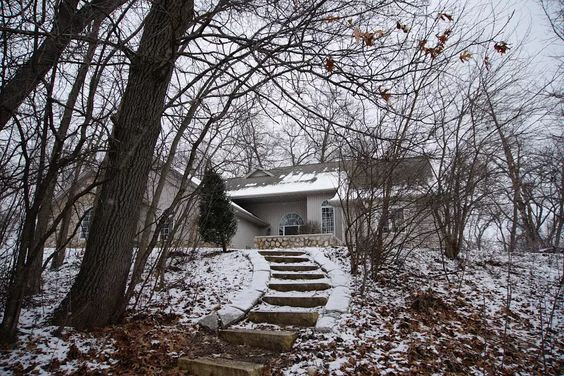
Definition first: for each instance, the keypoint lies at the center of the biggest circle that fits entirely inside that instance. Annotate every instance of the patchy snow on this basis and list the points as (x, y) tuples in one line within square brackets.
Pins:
[(427, 315), (423, 315), (196, 282), (291, 183)]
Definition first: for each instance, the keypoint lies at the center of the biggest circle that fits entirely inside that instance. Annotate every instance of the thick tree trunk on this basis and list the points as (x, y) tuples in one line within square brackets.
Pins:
[(99, 289), (67, 24)]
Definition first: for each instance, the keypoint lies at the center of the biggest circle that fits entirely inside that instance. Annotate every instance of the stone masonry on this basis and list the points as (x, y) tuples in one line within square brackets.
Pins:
[(296, 241)]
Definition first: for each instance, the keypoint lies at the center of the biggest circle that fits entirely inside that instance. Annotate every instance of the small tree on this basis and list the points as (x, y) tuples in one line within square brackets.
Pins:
[(217, 220)]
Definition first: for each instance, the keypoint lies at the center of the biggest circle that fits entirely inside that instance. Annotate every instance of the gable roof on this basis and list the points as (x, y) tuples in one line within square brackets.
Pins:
[(285, 180), (325, 177), (400, 172)]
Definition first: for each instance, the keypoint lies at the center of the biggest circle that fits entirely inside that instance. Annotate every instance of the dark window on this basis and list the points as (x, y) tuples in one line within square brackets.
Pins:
[(166, 230), (290, 224), (85, 224), (395, 221), (327, 218)]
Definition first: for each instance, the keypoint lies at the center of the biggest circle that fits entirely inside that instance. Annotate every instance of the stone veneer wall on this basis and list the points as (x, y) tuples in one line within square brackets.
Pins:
[(296, 241)]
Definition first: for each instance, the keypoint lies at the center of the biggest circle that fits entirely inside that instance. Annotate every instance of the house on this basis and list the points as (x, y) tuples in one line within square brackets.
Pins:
[(315, 204), (309, 205), (186, 234)]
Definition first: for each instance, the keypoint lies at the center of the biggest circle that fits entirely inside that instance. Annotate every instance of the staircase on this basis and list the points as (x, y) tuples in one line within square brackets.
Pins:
[(297, 292)]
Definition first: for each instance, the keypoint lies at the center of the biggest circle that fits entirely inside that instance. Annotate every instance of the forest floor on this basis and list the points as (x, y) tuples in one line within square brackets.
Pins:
[(425, 315)]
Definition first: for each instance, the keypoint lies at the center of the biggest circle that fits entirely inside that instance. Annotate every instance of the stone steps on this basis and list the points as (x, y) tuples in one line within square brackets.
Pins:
[(281, 253), (304, 319), (286, 259), (308, 286), (296, 301), (298, 275), (294, 268), (275, 340), (219, 367)]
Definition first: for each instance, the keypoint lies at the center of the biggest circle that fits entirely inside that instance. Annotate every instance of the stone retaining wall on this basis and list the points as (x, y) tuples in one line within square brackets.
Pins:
[(296, 241)]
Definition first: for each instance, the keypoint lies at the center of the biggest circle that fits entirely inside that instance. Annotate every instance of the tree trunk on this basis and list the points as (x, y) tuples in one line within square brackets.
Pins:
[(99, 289), (67, 24), (45, 211)]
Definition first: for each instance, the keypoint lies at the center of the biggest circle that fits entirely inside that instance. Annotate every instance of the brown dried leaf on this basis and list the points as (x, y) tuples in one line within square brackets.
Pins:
[(465, 56), (385, 94), (329, 64), (445, 17), (332, 18), (501, 47)]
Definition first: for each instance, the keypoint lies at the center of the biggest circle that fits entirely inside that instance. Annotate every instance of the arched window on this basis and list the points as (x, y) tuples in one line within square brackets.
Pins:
[(327, 218), (290, 224), (166, 230), (85, 224)]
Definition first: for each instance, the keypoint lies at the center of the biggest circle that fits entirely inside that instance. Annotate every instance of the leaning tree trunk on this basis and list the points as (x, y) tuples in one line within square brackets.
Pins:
[(100, 285)]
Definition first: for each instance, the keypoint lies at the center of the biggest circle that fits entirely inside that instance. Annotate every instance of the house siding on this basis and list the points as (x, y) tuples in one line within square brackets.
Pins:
[(272, 212), (245, 235), (314, 202)]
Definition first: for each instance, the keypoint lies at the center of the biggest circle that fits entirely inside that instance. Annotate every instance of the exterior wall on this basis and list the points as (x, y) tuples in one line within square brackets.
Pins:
[(420, 228), (245, 235), (185, 234), (296, 241), (272, 212), (314, 202)]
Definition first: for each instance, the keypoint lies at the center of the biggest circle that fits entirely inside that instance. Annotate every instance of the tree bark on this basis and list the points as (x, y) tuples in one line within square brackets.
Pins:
[(99, 288)]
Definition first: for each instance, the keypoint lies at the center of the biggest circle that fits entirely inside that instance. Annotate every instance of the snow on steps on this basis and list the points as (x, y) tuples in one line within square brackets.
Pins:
[(294, 268), (340, 297), (336, 304), (245, 300), (295, 301)]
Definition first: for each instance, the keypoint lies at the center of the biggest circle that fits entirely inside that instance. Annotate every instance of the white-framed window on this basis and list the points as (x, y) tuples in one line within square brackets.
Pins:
[(327, 218), (166, 230), (290, 224), (395, 220), (85, 225)]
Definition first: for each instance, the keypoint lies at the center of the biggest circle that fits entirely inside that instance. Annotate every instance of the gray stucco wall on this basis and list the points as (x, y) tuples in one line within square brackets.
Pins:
[(314, 202), (245, 235), (272, 212)]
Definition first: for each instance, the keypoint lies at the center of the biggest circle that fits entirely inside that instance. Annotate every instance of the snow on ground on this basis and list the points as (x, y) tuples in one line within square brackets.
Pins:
[(425, 315), (431, 316), (197, 283)]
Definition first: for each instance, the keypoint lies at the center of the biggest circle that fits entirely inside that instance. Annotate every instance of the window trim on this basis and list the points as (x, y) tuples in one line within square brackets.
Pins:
[(325, 205), (82, 234), (282, 228)]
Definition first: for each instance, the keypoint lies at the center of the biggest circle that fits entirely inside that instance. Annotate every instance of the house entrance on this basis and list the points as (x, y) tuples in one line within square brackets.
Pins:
[(290, 224)]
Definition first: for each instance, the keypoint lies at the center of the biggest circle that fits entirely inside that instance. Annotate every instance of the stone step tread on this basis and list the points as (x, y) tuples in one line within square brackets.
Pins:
[(281, 253), (295, 301), (219, 367), (287, 259), (275, 340), (294, 267), (298, 275), (299, 286), (284, 318)]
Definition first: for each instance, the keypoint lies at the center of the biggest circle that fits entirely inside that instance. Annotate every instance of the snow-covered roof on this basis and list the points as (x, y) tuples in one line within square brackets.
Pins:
[(286, 180), (243, 213)]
